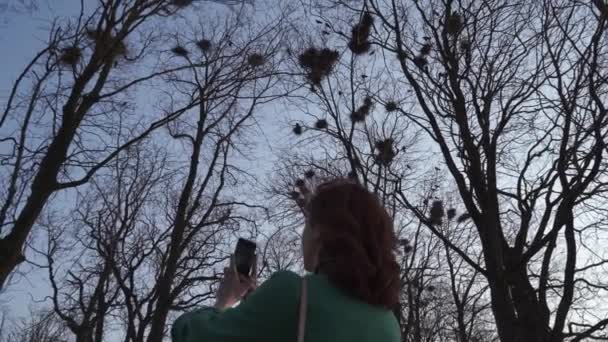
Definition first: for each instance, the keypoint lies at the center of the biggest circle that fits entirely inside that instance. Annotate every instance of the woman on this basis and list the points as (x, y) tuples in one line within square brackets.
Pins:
[(348, 243)]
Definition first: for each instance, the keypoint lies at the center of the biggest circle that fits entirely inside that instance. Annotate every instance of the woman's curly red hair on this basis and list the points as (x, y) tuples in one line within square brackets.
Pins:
[(357, 242)]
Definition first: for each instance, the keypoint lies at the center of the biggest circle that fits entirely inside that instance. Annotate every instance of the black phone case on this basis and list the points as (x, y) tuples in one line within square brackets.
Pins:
[(244, 256)]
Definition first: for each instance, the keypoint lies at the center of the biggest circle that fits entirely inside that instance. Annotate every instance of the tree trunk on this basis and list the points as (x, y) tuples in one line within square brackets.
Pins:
[(518, 314), (164, 300), (42, 188)]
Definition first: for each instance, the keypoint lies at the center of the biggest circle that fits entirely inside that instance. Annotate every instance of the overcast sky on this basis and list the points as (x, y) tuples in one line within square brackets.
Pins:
[(22, 34)]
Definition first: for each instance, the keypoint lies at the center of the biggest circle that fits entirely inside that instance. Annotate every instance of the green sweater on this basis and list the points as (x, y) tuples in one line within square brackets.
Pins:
[(270, 315)]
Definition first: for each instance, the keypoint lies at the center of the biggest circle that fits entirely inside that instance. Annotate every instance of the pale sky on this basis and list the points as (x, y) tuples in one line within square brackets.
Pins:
[(21, 35)]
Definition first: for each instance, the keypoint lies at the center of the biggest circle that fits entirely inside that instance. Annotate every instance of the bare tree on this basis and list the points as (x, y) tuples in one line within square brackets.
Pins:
[(353, 128), (238, 76), (480, 125), (42, 326), (68, 112), (84, 250), (512, 102), (153, 228)]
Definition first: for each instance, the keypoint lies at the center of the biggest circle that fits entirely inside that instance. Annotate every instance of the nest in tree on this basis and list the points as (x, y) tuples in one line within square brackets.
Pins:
[(402, 55), (204, 44), (405, 243), (420, 61), (391, 106), (359, 47), (362, 112), (297, 129), (359, 41), (451, 213), (430, 288), (425, 50), (107, 43), (93, 34), (118, 48), (300, 183), (182, 3), (318, 63), (308, 58), (437, 213), (309, 174), (321, 124), (463, 217), (356, 116), (386, 151), (453, 23), (294, 195), (465, 45), (304, 190), (70, 55), (256, 60), (180, 51)]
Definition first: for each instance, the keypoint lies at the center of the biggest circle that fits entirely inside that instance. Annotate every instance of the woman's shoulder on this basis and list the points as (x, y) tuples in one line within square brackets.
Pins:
[(281, 286), (285, 279)]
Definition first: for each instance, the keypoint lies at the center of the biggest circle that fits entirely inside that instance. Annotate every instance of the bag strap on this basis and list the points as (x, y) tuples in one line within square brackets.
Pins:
[(302, 310)]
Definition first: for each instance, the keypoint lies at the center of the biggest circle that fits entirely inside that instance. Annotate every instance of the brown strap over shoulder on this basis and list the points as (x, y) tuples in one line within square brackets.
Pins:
[(302, 310)]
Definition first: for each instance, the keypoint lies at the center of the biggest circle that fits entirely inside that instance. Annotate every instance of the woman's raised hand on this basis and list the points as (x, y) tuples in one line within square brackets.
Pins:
[(234, 286)]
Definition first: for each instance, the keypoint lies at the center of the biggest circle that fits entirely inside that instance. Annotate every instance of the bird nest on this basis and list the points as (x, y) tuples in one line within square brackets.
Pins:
[(359, 40), (318, 63)]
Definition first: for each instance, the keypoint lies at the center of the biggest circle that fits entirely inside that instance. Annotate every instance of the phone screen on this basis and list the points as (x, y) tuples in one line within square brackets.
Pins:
[(244, 256)]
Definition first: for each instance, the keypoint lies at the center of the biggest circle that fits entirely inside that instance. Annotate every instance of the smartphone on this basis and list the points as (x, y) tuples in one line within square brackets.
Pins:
[(244, 256)]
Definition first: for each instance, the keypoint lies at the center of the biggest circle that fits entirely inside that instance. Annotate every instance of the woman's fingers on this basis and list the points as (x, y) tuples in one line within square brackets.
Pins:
[(254, 268), (254, 275), (231, 269), (237, 283), (247, 286), (233, 264), (229, 289), (246, 281)]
